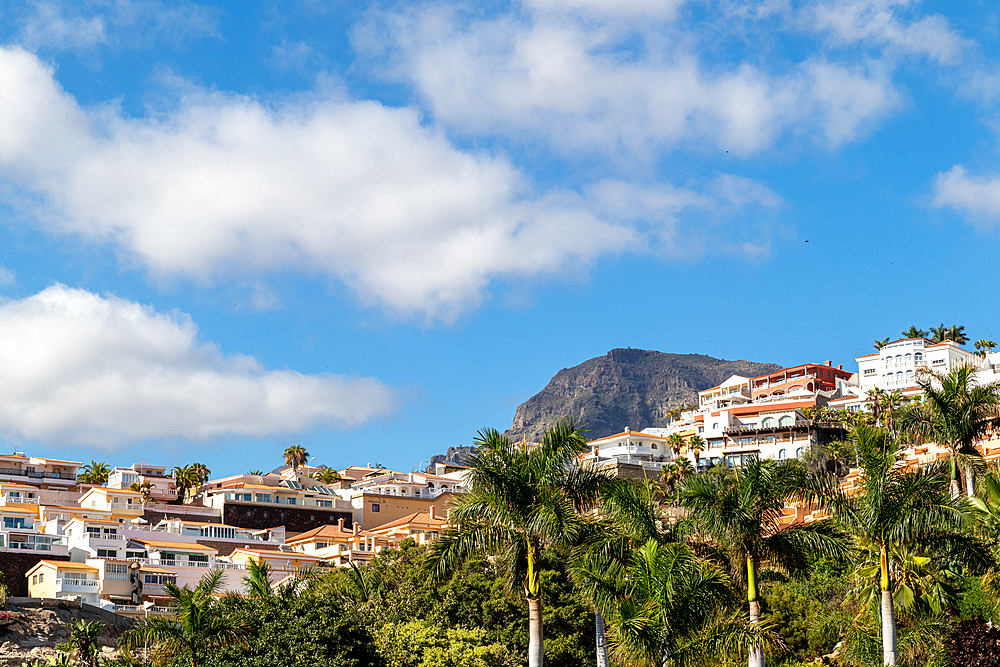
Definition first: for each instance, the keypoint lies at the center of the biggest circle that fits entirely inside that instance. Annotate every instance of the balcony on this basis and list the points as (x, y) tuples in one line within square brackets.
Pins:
[(37, 474), (77, 586)]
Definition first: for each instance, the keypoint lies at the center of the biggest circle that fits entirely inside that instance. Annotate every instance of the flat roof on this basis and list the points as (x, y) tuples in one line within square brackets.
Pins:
[(175, 546)]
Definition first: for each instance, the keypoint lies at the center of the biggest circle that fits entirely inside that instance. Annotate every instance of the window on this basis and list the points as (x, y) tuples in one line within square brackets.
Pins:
[(701, 429), (34, 579), (41, 577), (107, 553), (322, 545), (263, 497), (135, 554), (111, 531), (291, 501), (782, 454), (769, 422), (715, 426), (375, 507), (798, 453), (324, 503), (92, 530), (11, 522), (786, 420), (653, 446), (198, 558)]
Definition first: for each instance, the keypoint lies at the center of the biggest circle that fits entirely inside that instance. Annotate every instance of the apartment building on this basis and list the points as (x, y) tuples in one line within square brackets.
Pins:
[(163, 487), (378, 499), (64, 579), (422, 527), (34, 470), (896, 365), (338, 546), (122, 504)]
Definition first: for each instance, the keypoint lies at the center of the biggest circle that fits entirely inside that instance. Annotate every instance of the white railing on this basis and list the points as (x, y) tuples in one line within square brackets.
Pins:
[(135, 609), (178, 563), (81, 585)]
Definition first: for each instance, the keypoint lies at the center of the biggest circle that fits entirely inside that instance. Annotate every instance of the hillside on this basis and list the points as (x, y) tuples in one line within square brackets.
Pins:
[(625, 387)]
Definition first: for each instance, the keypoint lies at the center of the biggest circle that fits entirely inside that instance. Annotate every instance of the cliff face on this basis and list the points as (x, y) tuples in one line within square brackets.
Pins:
[(625, 387)]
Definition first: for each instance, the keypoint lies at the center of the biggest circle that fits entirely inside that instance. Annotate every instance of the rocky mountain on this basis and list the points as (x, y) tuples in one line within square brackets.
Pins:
[(625, 387)]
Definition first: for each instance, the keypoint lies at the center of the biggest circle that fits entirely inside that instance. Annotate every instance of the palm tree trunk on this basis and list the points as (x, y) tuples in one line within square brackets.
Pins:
[(601, 639), (970, 482), (756, 658), (534, 631), (956, 486), (888, 616)]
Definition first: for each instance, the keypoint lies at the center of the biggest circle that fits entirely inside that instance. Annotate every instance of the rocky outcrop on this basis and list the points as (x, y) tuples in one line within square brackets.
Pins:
[(625, 387)]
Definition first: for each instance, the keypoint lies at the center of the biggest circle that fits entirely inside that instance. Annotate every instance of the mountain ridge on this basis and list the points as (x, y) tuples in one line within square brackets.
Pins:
[(625, 388)]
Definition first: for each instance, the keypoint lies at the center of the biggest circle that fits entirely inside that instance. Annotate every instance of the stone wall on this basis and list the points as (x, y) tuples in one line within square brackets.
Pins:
[(294, 519), (15, 564)]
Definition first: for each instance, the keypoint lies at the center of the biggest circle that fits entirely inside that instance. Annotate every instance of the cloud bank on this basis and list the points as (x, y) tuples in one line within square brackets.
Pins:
[(78, 368)]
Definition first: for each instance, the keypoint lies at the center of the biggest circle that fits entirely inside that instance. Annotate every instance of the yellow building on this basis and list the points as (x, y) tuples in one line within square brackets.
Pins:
[(337, 545), (64, 579), (122, 503)]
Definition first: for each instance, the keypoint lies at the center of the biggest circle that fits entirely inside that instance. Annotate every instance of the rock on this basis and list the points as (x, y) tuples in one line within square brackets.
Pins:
[(625, 387)]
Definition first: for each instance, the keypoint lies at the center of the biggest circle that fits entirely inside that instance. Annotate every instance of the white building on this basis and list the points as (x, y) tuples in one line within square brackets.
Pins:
[(896, 365)]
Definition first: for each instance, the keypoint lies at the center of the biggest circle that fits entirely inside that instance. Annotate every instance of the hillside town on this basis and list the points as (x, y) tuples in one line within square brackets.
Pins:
[(115, 537)]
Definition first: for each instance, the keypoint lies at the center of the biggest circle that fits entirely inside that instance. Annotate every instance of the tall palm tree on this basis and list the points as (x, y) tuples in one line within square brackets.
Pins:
[(185, 478), (741, 513), (296, 456), (675, 441), (521, 499), (95, 472), (198, 623), (939, 334), (984, 346), (695, 445), (200, 472), (880, 343), (957, 412), (895, 507), (914, 332)]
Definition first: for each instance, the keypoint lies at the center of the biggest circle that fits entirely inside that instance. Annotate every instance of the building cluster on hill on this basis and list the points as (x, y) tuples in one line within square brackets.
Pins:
[(782, 414), (118, 543), (117, 547)]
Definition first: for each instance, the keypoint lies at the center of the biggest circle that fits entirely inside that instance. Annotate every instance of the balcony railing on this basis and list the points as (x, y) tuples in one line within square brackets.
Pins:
[(135, 609), (37, 474), (178, 563), (78, 585)]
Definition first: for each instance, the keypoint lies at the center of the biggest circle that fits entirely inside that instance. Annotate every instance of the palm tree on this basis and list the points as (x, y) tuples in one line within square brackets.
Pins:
[(296, 456), (184, 479), (694, 446), (327, 475), (914, 332), (258, 581), (957, 333), (675, 441), (741, 513), (95, 472), (83, 638), (256, 472), (939, 334), (895, 507), (880, 343), (957, 412), (984, 346), (521, 499), (200, 472), (198, 623), (145, 490)]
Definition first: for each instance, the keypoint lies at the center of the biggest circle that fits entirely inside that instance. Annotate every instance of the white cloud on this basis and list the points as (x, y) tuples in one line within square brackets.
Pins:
[(977, 196), (78, 368), (6, 276), (71, 25), (634, 88), (877, 22), (352, 189)]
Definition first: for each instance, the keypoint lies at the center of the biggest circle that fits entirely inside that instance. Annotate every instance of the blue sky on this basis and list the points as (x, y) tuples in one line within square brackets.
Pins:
[(375, 228)]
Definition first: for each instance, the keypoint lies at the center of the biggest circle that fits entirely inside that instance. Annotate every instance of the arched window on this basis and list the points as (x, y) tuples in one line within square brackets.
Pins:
[(909, 375), (908, 357), (798, 453), (786, 421), (918, 356), (782, 454), (654, 445), (769, 422)]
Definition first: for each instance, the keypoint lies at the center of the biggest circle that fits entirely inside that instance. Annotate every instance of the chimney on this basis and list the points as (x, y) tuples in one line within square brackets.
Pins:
[(340, 525), (829, 362), (627, 430), (356, 527), (840, 367), (432, 512)]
